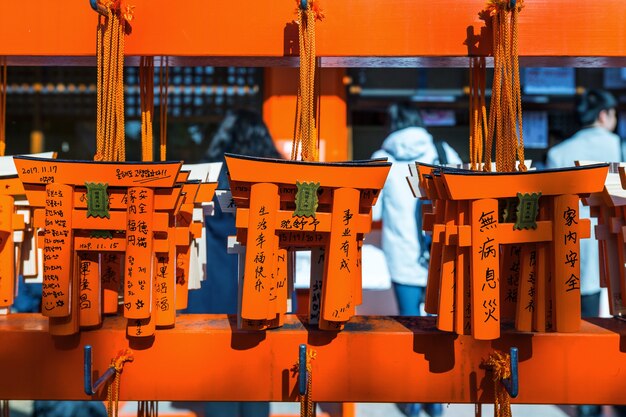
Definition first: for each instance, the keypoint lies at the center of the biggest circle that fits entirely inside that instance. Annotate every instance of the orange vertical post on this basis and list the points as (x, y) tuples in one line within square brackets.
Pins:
[(341, 257), (541, 287), (138, 263), (485, 268), (446, 312), (57, 290), (279, 110), (526, 289), (566, 263), (111, 268), (280, 282), (70, 324), (612, 248), (316, 284), (90, 295), (165, 288), (462, 292), (510, 280), (261, 241), (183, 255), (431, 299), (7, 256)]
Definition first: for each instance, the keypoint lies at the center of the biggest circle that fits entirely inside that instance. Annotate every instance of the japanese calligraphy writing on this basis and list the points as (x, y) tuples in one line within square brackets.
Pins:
[(57, 251), (139, 257)]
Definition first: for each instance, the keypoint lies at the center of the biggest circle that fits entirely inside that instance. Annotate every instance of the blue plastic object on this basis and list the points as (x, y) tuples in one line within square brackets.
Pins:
[(108, 374), (303, 4), (512, 4), (97, 7), (303, 375), (512, 384)]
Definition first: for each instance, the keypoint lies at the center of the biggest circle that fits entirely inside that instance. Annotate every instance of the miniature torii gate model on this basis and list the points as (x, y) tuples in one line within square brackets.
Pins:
[(536, 213), (289, 205), (608, 207), (129, 208), (399, 352), (19, 254)]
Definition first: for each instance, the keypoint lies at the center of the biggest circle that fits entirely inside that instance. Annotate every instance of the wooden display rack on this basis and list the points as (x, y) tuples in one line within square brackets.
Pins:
[(555, 368), (474, 216), (274, 218)]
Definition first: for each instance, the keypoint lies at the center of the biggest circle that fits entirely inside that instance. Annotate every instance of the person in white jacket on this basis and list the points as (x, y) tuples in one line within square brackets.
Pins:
[(400, 212)]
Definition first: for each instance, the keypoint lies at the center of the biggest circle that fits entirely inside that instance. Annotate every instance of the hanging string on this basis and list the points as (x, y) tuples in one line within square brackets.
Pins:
[(505, 118), (500, 365), (3, 104), (148, 409), (164, 85), (146, 93), (478, 111), (110, 134), (307, 405), (113, 396), (305, 141), (4, 408)]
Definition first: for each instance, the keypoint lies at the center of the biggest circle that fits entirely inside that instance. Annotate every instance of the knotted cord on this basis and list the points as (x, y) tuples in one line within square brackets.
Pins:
[(148, 409), (164, 85), (307, 405), (113, 396), (3, 104), (501, 368), (146, 94), (478, 111), (505, 118), (110, 139), (4, 408), (305, 141)]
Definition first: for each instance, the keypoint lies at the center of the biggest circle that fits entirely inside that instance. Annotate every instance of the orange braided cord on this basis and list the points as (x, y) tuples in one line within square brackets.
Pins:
[(505, 122), (146, 93), (3, 105), (110, 134), (164, 85), (118, 362), (305, 142), (307, 405), (478, 112), (500, 365)]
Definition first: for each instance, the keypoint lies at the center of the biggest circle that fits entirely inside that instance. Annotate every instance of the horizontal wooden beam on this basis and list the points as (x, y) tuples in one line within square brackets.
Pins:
[(353, 33), (377, 359)]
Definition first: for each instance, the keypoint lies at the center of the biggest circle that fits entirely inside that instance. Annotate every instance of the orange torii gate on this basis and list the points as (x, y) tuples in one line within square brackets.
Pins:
[(488, 224), (609, 206), (10, 221), (19, 254), (279, 211), (87, 208)]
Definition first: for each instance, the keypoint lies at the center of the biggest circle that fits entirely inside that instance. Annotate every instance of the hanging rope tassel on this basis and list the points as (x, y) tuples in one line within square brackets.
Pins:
[(478, 111), (110, 133), (146, 92), (500, 365), (305, 141), (113, 396), (307, 406), (164, 86), (148, 409), (505, 118), (4, 408), (3, 104)]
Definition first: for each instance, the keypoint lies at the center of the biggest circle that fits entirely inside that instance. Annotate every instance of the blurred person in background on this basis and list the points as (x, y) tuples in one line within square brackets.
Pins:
[(404, 243)]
